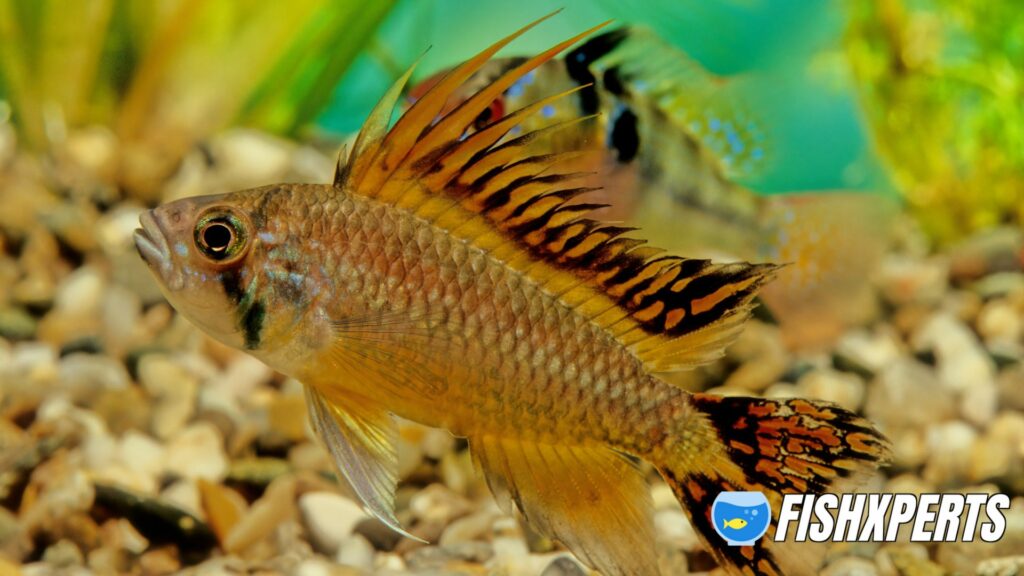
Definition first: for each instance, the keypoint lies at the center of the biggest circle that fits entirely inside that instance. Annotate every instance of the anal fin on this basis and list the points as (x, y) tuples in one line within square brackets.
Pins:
[(593, 500), (360, 437)]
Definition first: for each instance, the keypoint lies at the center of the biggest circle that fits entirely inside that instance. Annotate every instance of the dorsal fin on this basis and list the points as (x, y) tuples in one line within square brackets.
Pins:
[(673, 311)]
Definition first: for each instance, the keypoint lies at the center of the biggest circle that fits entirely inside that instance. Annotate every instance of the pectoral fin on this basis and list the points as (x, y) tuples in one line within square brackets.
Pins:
[(591, 499), (361, 438)]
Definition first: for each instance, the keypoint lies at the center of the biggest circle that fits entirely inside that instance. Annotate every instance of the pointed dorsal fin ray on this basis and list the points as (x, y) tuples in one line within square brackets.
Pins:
[(674, 312)]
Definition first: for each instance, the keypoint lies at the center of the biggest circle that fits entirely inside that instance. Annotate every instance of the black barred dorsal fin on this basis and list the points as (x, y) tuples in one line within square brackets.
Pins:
[(673, 312)]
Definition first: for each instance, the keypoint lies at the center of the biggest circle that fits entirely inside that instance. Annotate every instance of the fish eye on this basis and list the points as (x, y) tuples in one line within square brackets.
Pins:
[(220, 236)]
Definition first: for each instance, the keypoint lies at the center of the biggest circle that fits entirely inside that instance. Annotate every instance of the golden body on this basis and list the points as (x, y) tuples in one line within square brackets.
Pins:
[(469, 343)]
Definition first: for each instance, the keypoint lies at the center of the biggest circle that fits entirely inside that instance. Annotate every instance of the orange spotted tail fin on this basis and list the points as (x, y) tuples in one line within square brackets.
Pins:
[(774, 447)]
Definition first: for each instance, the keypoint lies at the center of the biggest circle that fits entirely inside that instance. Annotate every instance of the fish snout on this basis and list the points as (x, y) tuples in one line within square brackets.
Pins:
[(151, 242)]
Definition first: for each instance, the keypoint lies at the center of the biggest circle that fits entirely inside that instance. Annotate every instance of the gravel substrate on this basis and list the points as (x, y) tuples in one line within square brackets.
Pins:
[(131, 443)]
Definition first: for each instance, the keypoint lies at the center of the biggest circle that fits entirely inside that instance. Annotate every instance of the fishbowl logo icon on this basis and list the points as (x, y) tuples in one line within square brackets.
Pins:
[(741, 517)]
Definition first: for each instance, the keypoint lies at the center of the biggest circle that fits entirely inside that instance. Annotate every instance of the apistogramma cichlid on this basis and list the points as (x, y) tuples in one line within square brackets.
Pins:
[(449, 278)]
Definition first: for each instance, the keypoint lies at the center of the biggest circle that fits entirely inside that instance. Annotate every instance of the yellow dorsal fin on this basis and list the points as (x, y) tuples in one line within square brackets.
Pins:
[(672, 311)]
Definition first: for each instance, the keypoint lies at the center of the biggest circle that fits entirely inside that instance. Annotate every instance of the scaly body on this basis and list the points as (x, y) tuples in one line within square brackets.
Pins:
[(452, 277), (494, 347)]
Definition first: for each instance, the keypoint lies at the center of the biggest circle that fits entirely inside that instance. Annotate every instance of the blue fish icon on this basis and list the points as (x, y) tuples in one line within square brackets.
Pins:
[(741, 518)]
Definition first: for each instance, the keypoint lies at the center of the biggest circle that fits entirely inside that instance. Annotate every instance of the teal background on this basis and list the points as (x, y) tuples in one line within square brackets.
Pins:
[(786, 53)]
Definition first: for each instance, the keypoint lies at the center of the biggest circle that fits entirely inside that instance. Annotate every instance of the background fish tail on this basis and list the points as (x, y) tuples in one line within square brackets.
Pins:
[(771, 446)]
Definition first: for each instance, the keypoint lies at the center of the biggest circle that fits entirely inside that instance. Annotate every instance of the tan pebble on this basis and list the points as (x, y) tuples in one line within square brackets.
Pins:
[(436, 443), (247, 158), (410, 452), (163, 560), (275, 506), (850, 566), (287, 416), (223, 506), (471, 527), (910, 448), (904, 280), (436, 503), (356, 552), (1006, 566), (173, 389), (950, 445), (330, 519), (906, 559), (673, 527), (63, 554), (120, 314), (781, 391), (962, 362), (197, 452), (456, 471), (872, 350), (184, 494), (903, 383), (843, 388), (999, 321), (759, 373), (121, 533)]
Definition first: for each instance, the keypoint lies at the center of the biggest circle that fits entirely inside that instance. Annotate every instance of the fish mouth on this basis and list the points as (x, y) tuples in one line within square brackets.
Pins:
[(151, 243)]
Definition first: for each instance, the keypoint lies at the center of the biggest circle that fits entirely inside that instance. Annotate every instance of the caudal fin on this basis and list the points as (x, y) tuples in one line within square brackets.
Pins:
[(771, 446)]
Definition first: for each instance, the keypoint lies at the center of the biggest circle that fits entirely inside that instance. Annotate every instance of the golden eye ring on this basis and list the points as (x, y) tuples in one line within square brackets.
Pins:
[(221, 236)]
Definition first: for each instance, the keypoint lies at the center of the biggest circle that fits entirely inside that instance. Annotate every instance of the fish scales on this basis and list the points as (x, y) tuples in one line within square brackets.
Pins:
[(451, 277), (528, 345)]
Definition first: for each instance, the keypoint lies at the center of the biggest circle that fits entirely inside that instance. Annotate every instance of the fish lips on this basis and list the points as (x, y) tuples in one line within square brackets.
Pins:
[(151, 244)]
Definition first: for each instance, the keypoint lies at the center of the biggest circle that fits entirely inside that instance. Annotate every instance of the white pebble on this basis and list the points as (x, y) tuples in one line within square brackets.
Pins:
[(330, 519)]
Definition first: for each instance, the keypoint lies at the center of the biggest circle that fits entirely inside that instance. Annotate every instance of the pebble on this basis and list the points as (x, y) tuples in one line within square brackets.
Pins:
[(950, 445), (63, 554), (1000, 321), (845, 389), (16, 323), (962, 362), (141, 453), (276, 506), (904, 383), (850, 566), (246, 158), (870, 351), (173, 388), (906, 280), (330, 519), (673, 527), (471, 527), (223, 506), (197, 452), (906, 558), (1008, 566), (436, 503), (184, 494), (357, 552), (85, 377)]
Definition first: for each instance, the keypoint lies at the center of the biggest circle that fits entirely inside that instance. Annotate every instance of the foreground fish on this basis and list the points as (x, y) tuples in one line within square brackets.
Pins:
[(449, 279), (672, 143)]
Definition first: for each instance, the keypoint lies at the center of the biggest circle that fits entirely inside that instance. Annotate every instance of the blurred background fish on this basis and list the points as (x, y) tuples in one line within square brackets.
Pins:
[(671, 143)]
